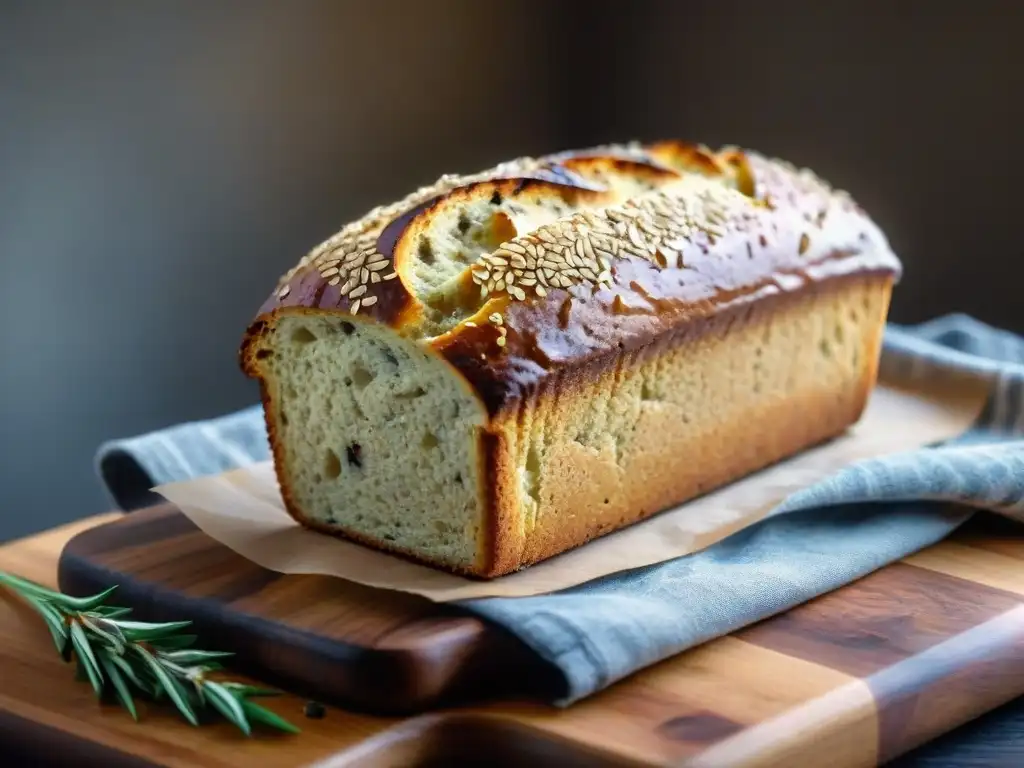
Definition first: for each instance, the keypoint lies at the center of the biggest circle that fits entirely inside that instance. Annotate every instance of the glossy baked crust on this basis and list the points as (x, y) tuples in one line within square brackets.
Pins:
[(703, 250), (799, 232)]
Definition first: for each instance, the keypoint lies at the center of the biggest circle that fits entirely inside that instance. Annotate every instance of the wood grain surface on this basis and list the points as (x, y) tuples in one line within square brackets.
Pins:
[(379, 651), (45, 714), (853, 678)]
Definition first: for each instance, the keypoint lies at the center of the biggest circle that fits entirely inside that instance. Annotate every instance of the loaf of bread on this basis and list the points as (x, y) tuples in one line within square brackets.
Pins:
[(503, 366)]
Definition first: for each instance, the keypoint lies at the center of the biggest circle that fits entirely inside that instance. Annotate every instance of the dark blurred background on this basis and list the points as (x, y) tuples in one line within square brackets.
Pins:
[(162, 162)]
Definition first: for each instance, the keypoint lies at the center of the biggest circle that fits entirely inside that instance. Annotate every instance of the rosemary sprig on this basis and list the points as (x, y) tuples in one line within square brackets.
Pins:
[(125, 659)]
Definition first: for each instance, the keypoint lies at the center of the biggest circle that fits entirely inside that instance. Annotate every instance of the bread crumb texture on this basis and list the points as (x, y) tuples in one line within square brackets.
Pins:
[(503, 366)]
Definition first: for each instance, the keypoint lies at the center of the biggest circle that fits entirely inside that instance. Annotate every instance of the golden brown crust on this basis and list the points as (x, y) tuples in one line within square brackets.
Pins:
[(501, 535), (596, 497), (792, 232)]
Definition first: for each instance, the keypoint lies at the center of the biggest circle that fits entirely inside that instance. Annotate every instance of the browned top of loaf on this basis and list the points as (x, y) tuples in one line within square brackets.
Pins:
[(708, 230)]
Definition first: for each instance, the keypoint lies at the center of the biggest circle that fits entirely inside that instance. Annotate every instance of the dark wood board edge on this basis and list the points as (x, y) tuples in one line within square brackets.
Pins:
[(404, 673)]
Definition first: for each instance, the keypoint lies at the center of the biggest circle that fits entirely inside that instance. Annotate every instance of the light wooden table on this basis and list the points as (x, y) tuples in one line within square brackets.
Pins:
[(47, 714), (48, 718)]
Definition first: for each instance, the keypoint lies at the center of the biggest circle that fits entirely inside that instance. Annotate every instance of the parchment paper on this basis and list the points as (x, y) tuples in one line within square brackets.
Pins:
[(243, 510)]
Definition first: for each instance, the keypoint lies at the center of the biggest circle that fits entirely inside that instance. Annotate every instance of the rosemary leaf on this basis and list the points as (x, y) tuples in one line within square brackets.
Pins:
[(26, 587), (120, 687), (83, 603), (66, 602), (54, 621), (170, 685), (190, 656), (103, 624), (105, 630), (144, 632), (159, 693), (127, 671), (86, 657), (227, 705), (263, 715), (111, 612)]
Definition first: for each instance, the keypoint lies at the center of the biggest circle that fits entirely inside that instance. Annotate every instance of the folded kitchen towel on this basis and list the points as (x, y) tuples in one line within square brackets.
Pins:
[(865, 516)]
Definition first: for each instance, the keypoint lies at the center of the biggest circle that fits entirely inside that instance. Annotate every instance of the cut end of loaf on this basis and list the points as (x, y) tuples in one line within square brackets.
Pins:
[(375, 437)]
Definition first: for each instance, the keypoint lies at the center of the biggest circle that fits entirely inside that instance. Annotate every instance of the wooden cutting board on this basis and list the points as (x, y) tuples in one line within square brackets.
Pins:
[(378, 651), (855, 677)]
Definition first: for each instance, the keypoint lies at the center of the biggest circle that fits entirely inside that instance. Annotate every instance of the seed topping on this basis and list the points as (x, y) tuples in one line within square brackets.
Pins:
[(582, 248)]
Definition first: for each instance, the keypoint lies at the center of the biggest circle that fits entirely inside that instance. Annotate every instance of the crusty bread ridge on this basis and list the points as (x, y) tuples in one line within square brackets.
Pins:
[(501, 367)]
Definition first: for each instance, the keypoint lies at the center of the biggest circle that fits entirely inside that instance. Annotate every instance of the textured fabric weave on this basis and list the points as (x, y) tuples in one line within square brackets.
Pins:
[(867, 515)]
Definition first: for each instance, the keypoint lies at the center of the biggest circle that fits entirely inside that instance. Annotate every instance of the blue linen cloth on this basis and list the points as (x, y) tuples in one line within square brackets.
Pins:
[(867, 515)]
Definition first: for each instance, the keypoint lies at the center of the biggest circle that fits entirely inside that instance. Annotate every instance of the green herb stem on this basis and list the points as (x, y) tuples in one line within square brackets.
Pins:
[(124, 659)]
